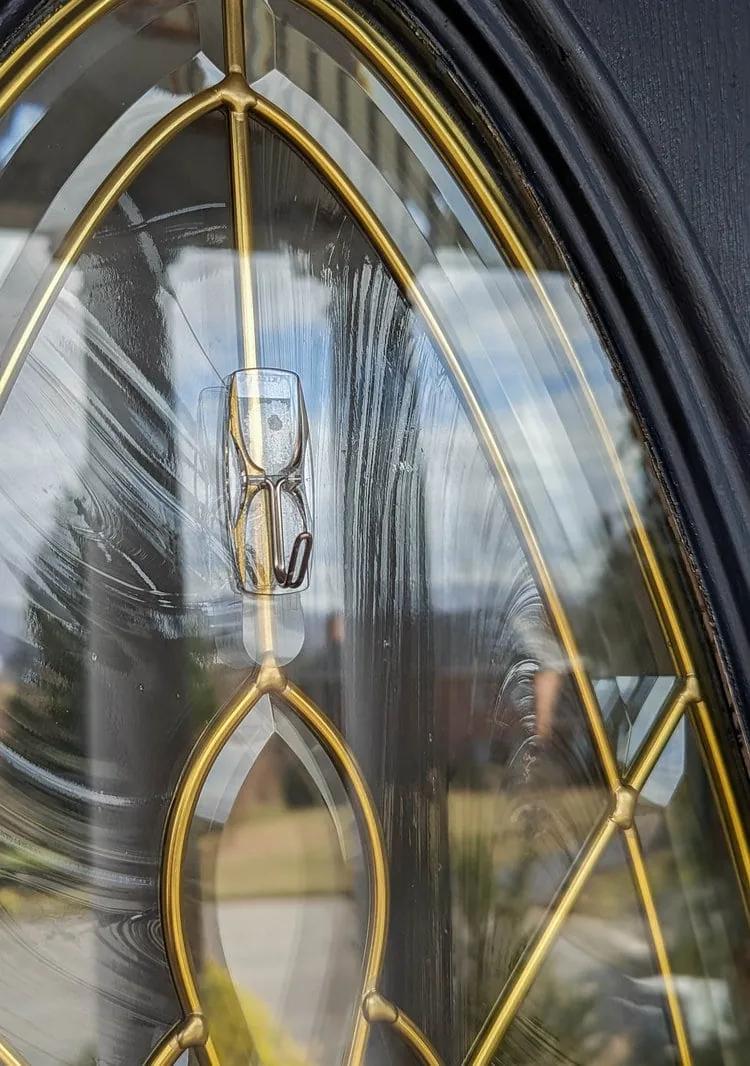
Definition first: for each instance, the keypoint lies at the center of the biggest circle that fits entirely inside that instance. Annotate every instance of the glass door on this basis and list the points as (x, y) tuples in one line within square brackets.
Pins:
[(355, 704)]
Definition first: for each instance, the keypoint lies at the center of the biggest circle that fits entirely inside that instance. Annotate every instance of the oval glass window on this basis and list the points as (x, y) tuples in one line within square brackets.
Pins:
[(353, 705)]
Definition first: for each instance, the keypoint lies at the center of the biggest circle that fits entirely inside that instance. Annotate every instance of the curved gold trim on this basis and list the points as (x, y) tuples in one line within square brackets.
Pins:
[(355, 203), (721, 783), (273, 116), (188, 1033), (365, 807), (416, 1039), (473, 176), (103, 200), (378, 1009), (176, 837), (635, 851), (40, 55)]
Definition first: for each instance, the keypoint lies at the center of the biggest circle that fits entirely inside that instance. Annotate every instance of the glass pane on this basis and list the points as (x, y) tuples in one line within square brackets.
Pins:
[(455, 591), (699, 905), (104, 683)]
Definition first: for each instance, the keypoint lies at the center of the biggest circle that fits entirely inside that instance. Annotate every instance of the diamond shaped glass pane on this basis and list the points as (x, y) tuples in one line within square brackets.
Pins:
[(598, 997), (699, 903)]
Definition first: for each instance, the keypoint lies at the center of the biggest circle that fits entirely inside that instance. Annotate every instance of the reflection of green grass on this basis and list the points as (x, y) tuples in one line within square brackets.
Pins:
[(29, 903), (22, 900), (282, 851), (277, 852)]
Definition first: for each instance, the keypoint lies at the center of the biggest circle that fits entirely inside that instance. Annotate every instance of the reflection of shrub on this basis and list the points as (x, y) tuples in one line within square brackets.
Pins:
[(561, 1019), (299, 790), (86, 1058), (242, 1027)]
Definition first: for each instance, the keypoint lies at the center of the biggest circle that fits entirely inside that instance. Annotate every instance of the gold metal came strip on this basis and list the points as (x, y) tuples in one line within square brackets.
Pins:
[(486, 1047), (374, 850), (466, 164), (378, 1009), (721, 781), (483, 1050), (10, 1058), (35, 53), (643, 884), (488, 1042), (523, 977), (656, 740), (189, 1033), (270, 680)]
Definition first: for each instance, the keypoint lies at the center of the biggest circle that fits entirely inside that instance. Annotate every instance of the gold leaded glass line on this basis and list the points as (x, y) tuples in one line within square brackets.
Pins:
[(235, 95)]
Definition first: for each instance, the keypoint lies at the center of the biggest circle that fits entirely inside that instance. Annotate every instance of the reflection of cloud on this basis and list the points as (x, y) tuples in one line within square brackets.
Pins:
[(525, 385), (535, 405)]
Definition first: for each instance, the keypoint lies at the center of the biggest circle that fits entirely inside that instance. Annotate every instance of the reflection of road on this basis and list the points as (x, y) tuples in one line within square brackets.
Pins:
[(47, 1001), (299, 955)]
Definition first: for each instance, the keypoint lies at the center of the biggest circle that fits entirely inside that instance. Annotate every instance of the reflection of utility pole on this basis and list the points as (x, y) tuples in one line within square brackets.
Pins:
[(389, 666), (135, 668)]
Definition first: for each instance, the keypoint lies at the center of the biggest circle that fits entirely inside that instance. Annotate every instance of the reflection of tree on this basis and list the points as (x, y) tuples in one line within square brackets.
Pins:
[(48, 713), (615, 622), (380, 353)]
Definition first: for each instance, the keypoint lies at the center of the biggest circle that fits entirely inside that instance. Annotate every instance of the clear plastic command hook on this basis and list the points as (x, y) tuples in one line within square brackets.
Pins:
[(264, 493)]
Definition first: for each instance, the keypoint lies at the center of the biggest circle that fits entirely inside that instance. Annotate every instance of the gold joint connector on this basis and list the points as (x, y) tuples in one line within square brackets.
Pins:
[(623, 812), (691, 690), (237, 94), (377, 1009), (271, 678), (194, 1033)]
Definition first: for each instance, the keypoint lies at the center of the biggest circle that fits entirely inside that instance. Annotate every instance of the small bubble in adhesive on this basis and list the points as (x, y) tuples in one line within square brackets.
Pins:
[(140, 688), (177, 695), (429, 738), (94, 656)]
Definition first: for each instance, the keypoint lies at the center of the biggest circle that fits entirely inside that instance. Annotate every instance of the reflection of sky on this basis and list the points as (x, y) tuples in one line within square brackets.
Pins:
[(525, 386), (527, 390), (21, 120)]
